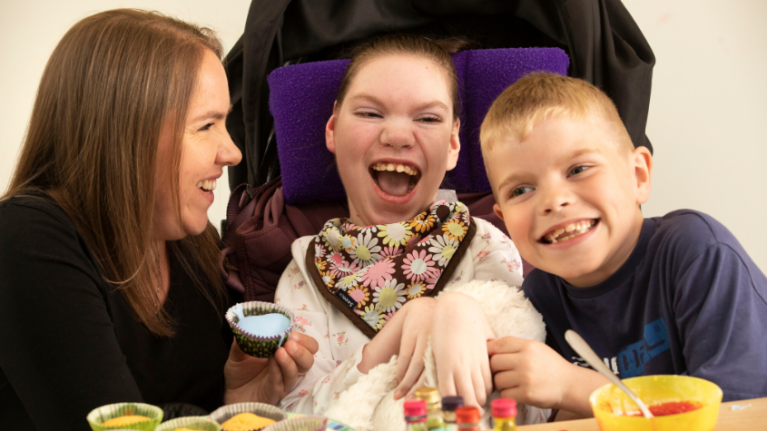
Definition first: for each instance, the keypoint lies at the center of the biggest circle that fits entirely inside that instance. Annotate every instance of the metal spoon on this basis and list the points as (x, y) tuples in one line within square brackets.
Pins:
[(582, 348)]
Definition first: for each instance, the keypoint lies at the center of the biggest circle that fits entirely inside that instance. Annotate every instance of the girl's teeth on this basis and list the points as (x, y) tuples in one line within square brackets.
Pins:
[(207, 185), (391, 167)]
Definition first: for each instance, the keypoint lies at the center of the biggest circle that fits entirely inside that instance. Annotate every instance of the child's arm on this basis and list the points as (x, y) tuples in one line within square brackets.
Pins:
[(340, 361), (460, 331), (405, 335), (720, 309), (533, 373), (340, 345)]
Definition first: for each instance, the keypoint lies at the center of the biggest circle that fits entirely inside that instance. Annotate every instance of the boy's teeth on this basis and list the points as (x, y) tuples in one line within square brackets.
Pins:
[(573, 229), (391, 167), (207, 185)]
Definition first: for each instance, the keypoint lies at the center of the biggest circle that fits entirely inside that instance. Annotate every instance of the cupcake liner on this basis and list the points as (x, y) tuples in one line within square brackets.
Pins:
[(302, 423), (197, 423), (97, 416), (253, 345), (223, 414)]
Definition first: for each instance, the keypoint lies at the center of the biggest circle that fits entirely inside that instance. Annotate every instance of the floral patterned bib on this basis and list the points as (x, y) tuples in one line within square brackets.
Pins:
[(371, 272)]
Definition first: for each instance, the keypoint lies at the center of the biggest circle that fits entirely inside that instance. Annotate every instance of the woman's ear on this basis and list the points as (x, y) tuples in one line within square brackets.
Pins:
[(330, 135), (455, 145), (642, 164)]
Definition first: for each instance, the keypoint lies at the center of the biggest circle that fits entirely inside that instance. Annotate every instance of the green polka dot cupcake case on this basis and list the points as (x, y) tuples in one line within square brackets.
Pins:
[(260, 328)]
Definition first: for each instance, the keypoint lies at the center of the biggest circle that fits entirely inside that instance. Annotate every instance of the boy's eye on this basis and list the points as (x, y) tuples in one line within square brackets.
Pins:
[(367, 114), (577, 170), (519, 191)]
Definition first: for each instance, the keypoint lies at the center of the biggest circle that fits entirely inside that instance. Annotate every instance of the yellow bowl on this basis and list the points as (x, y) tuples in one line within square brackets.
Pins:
[(612, 408)]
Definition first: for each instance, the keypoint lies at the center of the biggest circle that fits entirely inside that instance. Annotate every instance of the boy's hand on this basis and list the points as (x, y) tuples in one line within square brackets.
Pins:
[(534, 374), (459, 334), (263, 380)]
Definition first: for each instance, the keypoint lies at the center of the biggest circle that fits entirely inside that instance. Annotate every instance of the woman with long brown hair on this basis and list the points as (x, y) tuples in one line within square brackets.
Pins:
[(108, 284)]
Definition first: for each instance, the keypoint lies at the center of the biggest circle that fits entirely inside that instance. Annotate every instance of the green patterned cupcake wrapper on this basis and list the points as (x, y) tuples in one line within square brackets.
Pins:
[(302, 423), (98, 416), (223, 414), (197, 423), (253, 345)]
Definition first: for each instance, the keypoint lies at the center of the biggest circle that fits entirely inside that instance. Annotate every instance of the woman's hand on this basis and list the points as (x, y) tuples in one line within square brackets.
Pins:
[(459, 340), (262, 380)]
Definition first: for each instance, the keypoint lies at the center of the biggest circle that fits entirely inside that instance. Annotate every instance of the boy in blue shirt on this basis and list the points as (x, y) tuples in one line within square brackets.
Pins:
[(664, 295)]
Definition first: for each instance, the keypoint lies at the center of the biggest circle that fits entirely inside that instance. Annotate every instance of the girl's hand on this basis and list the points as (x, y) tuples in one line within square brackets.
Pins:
[(415, 336), (250, 379), (459, 340), (406, 334)]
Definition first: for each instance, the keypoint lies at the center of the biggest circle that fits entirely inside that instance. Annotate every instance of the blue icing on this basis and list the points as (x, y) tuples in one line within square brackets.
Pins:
[(266, 325)]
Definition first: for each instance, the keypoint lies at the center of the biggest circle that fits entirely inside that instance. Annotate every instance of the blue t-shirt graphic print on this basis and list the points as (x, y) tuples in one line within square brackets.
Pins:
[(631, 360)]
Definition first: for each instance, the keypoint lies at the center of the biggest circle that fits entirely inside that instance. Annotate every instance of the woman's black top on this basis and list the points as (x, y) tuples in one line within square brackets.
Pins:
[(69, 342)]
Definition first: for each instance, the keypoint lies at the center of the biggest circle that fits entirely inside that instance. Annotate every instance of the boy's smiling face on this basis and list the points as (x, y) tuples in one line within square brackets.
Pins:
[(569, 197)]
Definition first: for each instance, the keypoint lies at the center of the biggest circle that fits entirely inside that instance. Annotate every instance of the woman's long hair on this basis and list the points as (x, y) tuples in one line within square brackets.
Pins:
[(109, 87)]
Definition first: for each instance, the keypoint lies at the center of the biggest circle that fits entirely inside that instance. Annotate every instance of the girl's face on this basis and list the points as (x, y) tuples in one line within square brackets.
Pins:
[(205, 149), (394, 138)]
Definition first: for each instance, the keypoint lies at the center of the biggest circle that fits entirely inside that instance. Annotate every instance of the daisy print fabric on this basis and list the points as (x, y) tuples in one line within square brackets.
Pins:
[(371, 272)]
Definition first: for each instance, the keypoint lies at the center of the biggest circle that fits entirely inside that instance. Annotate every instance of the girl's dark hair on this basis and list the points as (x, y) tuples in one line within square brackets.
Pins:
[(437, 51), (108, 89)]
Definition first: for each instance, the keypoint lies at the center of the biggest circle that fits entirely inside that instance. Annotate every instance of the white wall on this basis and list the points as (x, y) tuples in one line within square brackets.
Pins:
[(709, 98), (707, 103)]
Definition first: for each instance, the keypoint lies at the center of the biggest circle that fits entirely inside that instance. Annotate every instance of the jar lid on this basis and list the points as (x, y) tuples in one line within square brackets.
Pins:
[(467, 415), (452, 403), (503, 408), (415, 408), (430, 395)]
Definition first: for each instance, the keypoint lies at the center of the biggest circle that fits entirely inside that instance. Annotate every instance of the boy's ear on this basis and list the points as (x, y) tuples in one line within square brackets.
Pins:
[(330, 135), (455, 145), (497, 211), (642, 163)]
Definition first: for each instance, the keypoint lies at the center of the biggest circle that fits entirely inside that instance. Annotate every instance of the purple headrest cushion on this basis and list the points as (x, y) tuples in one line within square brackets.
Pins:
[(301, 101)]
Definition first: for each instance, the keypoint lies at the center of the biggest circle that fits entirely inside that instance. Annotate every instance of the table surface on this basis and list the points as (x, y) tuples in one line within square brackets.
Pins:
[(731, 418)]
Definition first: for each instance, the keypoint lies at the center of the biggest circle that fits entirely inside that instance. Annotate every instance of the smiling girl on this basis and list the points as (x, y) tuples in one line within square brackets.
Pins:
[(372, 277)]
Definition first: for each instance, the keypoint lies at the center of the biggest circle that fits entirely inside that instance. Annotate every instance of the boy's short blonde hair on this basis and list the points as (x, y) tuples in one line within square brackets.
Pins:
[(541, 96)]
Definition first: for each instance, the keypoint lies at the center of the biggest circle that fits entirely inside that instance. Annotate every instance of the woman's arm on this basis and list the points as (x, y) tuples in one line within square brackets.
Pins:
[(58, 346)]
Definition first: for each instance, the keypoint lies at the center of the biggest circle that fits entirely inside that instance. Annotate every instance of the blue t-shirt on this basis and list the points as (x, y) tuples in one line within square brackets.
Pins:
[(688, 300)]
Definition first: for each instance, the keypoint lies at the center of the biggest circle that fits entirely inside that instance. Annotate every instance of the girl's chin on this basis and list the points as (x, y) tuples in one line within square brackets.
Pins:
[(386, 214)]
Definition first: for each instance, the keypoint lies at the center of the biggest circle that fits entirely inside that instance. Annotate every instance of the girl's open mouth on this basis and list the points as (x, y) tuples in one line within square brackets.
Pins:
[(395, 179), (573, 230)]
